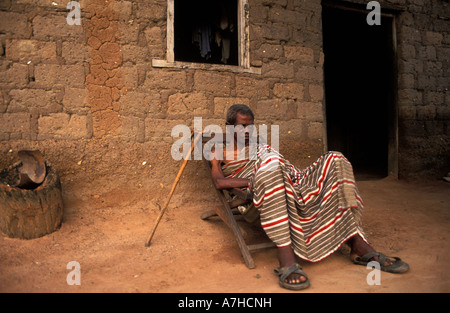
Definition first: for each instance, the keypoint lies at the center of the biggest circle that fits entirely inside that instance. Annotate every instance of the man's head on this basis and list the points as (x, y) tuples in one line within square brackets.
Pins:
[(236, 109), (240, 121)]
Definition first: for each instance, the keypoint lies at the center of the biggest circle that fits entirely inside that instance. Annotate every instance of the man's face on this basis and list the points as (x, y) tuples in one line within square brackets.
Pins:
[(241, 125)]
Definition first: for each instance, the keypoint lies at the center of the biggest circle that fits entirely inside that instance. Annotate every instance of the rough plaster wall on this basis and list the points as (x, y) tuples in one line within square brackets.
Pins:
[(88, 97)]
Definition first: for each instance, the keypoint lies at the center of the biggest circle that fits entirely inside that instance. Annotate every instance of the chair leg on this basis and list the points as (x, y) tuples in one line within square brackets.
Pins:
[(208, 214), (259, 246), (213, 213), (226, 215)]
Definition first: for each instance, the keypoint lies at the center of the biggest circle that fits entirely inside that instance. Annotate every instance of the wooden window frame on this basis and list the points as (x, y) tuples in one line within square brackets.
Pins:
[(243, 49)]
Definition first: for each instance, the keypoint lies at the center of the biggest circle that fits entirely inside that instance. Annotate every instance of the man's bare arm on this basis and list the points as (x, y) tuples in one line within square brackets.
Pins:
[(221, 182)]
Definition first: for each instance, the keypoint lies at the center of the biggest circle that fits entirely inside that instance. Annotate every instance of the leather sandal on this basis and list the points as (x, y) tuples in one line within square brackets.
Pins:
[(397, 266), (284, 272)]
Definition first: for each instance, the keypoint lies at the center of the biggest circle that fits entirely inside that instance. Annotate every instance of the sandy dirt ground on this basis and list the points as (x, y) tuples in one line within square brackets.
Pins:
[(105, 229)]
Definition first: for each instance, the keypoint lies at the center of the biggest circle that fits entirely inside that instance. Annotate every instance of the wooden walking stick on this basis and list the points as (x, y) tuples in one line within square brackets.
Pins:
[(186, 158)]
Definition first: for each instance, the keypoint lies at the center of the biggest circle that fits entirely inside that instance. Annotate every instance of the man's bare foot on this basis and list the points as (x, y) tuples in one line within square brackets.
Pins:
[(360, 248), (286, 258)]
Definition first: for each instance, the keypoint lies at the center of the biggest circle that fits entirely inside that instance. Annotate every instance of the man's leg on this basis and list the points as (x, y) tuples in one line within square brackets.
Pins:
[(359, 248), (276, 205), (286, 258)]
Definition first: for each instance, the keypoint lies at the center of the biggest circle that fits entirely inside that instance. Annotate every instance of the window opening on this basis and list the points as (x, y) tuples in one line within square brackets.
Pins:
[(227, 27), (206, 31)]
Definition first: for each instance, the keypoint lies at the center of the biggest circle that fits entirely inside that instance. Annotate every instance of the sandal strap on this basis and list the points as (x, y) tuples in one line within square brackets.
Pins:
[(396, 261), (397, 266), (295, 268), (370, 255), (382, 258)]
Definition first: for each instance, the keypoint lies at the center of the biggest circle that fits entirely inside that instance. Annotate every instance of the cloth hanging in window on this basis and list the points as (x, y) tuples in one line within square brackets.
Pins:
[(201, 37)]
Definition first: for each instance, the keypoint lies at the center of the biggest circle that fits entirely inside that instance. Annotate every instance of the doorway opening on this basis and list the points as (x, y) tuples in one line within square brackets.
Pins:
[(360, 89)]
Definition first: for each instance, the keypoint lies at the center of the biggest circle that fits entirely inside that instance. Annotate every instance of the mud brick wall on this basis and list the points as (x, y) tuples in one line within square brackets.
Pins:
[(89, 98), (423, 83)]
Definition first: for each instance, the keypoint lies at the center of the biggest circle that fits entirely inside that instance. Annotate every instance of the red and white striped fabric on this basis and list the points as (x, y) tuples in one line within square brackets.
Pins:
[(314, 210)]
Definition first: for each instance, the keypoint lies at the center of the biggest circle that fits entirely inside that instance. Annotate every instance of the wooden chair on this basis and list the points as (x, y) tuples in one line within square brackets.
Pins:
[(228, 213)]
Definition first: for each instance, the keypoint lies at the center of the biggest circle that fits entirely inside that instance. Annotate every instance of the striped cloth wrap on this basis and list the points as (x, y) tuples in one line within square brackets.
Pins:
[(314, 210)]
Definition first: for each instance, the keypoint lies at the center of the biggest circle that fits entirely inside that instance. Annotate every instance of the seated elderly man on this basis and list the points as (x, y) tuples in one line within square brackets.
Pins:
[(307, 213)]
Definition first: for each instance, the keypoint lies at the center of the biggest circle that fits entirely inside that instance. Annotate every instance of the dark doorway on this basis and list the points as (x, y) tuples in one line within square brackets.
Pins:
[(360, 76)]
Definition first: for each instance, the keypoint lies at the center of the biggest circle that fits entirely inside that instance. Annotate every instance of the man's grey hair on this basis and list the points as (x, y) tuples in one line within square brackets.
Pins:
[(235, 109)]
